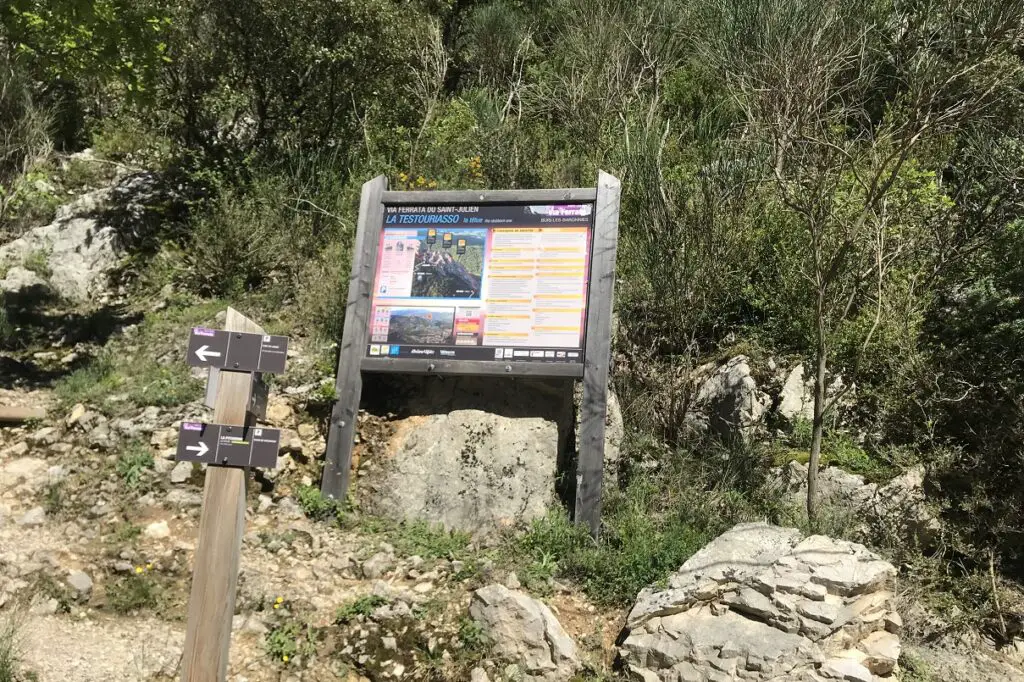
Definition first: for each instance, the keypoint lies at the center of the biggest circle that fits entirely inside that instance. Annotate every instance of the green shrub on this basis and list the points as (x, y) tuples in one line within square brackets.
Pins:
[(6, 329), (9, 648), (419, 538), (324, 292), (316, 506), (800, 436), (90, 383), (134, 592), (132, 463), (914, 669), (472, 636), (140, 377), (289, 639), (38, 262), (362, 606)]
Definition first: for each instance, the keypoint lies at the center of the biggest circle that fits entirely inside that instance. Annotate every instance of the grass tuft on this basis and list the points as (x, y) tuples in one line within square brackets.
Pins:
[(132, 463), (362, 606)]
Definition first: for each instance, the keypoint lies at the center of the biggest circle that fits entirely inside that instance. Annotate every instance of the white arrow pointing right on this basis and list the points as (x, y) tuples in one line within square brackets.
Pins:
[(204, 353), (200, 449)]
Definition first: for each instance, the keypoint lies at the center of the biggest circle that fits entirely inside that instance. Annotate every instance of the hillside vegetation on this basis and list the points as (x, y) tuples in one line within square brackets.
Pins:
[(837, 183)]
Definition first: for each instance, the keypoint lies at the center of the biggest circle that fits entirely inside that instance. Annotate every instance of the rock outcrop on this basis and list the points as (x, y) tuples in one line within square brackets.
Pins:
[(79, 249), (762, 603), (469, 456), (729, 402), (796, 398), (526, 632), (897, 509)]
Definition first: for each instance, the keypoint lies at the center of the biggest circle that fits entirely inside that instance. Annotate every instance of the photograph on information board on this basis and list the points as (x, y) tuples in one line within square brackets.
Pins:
[(488, 282)]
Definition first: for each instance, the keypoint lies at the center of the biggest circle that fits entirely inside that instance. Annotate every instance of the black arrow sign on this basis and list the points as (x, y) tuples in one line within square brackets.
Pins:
[(237, 446), (238, 351)]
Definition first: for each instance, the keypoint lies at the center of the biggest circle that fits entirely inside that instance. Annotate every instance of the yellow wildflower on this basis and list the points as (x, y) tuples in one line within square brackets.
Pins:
[(279, 600), (138, 569), (149, 566), (285, 658)]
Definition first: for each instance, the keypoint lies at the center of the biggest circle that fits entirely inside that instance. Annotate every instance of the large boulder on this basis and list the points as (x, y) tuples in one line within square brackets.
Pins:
[(81, 246), (22, 281), (729, 402), (762, 603), (470, 454), (526, 632), (836, 487), (897, 509)]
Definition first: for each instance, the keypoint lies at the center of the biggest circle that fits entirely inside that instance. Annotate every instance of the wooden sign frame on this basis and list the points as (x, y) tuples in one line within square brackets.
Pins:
[(594, 369)]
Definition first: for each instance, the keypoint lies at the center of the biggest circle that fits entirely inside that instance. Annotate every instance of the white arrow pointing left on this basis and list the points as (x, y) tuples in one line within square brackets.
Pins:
[(204, 352), (200, 449)]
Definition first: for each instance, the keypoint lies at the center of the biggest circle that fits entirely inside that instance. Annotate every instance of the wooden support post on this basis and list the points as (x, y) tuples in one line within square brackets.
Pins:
[(597, 355), (13, 414), (221, 525), (349, 384)]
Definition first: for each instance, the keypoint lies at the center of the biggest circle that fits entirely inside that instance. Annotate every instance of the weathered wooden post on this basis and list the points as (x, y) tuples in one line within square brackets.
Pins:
[(532, 298), (229, 446)]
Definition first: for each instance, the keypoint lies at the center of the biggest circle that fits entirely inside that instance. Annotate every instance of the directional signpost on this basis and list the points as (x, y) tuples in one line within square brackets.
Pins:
[(239, 446), (230, 445), (237, 351)]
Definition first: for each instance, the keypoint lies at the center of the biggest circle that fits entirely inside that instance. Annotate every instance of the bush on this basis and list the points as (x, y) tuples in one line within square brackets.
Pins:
[(140, 377), (316, 506), (9, 658), (37, 262), (323, 294), (289, 639), (133, 593), (132, 463), (362, 606), (649, 529)]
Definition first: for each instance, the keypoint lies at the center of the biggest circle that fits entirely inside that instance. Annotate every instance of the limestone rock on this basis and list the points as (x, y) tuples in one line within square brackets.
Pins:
[(279, 412), (157, 530), (846, 669), (22, 281), (80, 249), (526, 631), (469, 457), (614, 433), (731, 401), (898, 508), (44, 436), (883, 650), (796, 399), (377, 565), (762, 603), (80, 582), (30, 472), (182, 472), (33, 517), (77, 412)]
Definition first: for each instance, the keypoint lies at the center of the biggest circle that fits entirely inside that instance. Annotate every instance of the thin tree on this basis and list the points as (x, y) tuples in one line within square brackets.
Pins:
[(839, 98)]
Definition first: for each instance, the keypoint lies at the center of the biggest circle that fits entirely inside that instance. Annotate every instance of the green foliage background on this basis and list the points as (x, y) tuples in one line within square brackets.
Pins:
[(266, 116)]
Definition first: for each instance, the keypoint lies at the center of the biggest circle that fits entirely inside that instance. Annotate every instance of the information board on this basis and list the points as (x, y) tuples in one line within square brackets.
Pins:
[(482, 282)]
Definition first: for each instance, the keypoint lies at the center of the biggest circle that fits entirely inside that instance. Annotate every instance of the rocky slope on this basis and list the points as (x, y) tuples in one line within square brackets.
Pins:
[(98, 522)]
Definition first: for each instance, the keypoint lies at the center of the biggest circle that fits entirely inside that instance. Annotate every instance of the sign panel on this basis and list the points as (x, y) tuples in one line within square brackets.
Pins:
[(504, 282), (237, 350), (238, 446)]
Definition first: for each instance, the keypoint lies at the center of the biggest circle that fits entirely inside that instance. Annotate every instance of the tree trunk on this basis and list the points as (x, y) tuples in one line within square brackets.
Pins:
[(817, 427)]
